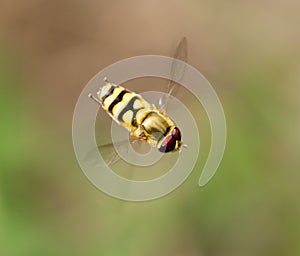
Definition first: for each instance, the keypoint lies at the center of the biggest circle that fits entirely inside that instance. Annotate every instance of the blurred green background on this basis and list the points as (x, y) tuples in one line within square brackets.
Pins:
[(248, 50)]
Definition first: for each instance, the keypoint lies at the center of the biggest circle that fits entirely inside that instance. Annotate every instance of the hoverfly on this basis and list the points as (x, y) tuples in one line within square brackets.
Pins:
[(143, 120)]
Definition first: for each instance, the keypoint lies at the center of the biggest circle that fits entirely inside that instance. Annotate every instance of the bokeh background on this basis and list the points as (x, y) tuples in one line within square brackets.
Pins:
[(248, 50)]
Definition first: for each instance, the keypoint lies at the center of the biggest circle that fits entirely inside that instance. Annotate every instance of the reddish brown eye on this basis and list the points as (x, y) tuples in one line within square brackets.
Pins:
[(176, 134), (168, 144)]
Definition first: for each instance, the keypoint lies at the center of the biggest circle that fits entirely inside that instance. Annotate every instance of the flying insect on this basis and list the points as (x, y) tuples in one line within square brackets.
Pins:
[(143, 120)]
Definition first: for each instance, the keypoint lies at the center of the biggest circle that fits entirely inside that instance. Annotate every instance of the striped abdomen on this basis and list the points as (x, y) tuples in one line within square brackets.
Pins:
[(144, 121), (124, 106)]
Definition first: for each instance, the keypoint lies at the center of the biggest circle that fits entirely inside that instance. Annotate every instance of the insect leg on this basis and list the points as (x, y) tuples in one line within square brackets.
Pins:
[(94, 98)]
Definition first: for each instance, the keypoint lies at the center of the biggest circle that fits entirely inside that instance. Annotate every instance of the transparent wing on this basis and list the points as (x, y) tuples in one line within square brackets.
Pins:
[(177, 72), (108, 153)]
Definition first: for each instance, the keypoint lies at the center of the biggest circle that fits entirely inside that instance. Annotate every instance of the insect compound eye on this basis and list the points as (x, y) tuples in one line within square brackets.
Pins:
[(176, 134), (168, 144)]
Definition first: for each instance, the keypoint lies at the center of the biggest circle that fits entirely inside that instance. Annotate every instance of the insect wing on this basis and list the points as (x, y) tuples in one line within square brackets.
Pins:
[(177, 72), (108, 153)]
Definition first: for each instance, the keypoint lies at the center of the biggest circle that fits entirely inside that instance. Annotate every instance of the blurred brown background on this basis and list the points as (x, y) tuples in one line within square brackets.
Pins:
[(248, 50)]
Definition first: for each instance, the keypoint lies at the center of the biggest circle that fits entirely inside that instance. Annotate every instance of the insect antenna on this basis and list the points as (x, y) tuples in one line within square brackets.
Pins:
[(182, 146)]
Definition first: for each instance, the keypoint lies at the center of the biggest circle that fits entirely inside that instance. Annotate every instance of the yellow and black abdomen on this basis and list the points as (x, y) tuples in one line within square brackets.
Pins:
[(142, 119), (124, 106)]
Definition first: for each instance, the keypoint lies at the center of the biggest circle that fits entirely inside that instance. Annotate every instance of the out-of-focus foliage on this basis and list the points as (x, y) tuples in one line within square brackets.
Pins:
[(249, 50)]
